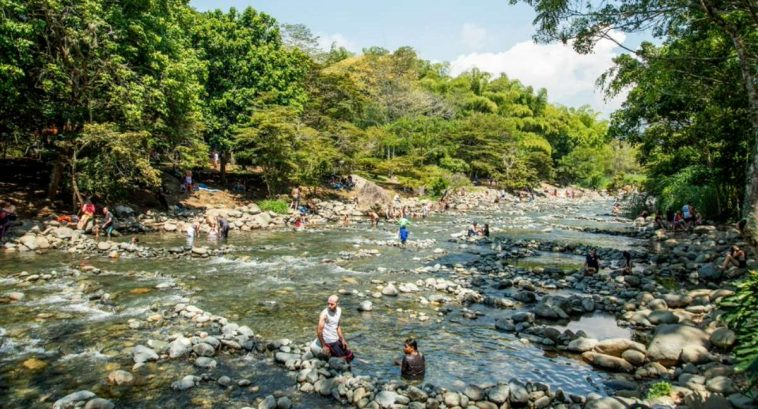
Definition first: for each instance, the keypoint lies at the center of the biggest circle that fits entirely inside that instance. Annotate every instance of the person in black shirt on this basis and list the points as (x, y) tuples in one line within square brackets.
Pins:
[(592, 263), (413, 365)]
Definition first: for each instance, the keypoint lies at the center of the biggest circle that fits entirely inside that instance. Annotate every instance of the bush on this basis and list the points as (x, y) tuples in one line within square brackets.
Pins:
[(276, 206), (741, 315), (659, 389), (438, 187)]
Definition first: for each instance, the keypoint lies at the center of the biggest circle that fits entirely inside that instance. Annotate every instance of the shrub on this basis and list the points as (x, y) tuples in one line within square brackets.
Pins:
[(741, 315), (276, 206), (659, 389)]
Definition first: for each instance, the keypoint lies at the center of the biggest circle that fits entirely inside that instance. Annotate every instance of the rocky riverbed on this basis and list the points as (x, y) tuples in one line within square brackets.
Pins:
[(504, 322)]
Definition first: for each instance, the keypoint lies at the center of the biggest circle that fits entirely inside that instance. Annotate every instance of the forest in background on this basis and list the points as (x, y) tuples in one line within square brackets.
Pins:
[(105, 91)]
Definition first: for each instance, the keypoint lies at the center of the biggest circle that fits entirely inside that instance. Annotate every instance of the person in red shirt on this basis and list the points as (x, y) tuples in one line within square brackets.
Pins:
[(88, 213)]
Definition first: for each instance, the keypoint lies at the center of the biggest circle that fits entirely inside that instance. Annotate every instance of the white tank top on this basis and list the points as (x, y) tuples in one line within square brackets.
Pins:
[(331, 322)]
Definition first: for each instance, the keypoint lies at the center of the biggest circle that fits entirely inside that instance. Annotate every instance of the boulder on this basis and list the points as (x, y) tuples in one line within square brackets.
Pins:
[(605, 403), (385, 399), (709, 272), (634, 357), (607, 361), (616, 346), (99, 403), (723, 338), (582, 344), (390, 290), (499, 393), (71, 400), (366, 305), (120, 377), (695, 354), (142, 354), (370, 195), (669, 340)]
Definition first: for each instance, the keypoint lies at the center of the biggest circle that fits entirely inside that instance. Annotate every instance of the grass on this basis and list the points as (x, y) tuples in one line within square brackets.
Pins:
[(659, 389), (276, 206)]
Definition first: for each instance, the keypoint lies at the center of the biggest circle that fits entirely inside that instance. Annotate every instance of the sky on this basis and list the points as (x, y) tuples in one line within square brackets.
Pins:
[(489, 34)]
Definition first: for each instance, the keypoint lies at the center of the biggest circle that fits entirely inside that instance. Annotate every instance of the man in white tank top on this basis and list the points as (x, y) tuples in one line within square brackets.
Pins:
[(329, 330)]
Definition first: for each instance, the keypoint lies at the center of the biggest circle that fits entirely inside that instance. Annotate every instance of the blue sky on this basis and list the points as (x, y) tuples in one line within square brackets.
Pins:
[(489, 34)]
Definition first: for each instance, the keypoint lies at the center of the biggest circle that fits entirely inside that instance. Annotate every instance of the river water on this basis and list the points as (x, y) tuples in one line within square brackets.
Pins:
[(277, 282)]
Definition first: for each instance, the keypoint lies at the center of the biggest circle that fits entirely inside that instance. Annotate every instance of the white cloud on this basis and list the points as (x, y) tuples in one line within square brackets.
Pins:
[(325, 42), (473, 36), (568, 76)]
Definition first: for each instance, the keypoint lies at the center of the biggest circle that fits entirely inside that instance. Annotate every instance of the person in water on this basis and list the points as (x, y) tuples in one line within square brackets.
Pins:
[(627, 267), (329, 330), (486, 230), (413, 365), (473, 230), (403, 233)]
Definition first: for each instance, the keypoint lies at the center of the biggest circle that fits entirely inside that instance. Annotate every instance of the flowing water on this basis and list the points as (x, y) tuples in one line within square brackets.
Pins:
[(56, 341)]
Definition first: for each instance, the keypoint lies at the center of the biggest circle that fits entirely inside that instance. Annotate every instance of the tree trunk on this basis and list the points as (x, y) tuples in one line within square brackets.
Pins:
[(56, 176), (76, 197), (223, 168)]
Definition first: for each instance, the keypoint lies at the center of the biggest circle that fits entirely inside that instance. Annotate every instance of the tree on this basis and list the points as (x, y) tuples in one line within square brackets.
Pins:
[(247, 67), (585, 24)]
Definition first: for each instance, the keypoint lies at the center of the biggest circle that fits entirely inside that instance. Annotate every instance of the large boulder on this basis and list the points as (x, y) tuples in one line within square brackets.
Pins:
[(723, 338), (369, 194), (669, 341), (607, 362), (617, 346)]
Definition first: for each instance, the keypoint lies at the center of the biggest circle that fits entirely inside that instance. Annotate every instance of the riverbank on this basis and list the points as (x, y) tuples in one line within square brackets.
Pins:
[(485, 287)]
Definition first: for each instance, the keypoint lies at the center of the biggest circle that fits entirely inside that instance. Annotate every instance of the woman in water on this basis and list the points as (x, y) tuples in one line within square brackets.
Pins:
[(413, 365)]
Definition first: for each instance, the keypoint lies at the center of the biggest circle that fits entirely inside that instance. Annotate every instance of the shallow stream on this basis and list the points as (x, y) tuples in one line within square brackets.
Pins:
[(277, 283)]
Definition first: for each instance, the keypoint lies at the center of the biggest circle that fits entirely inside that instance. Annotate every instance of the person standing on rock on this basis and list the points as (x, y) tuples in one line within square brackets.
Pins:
[(107, 225), (592, 263), (329, 330)]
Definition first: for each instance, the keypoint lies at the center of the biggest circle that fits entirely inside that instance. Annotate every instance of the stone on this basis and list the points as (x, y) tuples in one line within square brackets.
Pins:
[(34, 364), (518, 391), (695, 354), (662, 317), (203, 349), (71, 400), (723, 338), (16, 296), (104, 245), (142, 354), (607, 361), (29, 241), (582, 344), (415, 394), (499, 393), (390, 290), (169, 227), (709, 272), (385, 399), (269, 402), (700, 400), (669, 340), (99, 403), (616, 346), (224, 381), (185, 383), (720, 384), (474, 392), (179, 347), (605, 403), (338, 364), (451, 399), (365, 306), (741, 401), (120, 377), (634, 357), (200, 251), (283, 403), (205, 362)]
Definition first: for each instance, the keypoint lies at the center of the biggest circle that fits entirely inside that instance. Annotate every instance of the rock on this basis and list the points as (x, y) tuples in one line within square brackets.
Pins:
[(390, 290), (451, 399), (616, 346), (123, 212), (283, 357), (700, 400), (741, 401), (120, 377), (16, 296), (669, 340), (33, 364), (709, 272), (695, 354), (518, 392), (720, 384), (104, 245), (283, 403), (203, 349), (582, 344), (71, 400), (723, 338), (99, 403), (42, 242), (408, 288), (499, 393), (662, 317), (205, 362), (676, 300), (142, 354), (224, 381), (200, 251), (369, 195), (416, 395), (634, 357), (185, 383), (63, 232), (179, 347), (269, 402), (607, 361), (169, 227), (366, 306), (385, 399), (29, 241), (605, 403), (338, 364), (474, 392)]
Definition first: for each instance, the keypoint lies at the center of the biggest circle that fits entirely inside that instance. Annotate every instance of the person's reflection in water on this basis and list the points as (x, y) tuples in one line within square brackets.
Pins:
[(413, 364)]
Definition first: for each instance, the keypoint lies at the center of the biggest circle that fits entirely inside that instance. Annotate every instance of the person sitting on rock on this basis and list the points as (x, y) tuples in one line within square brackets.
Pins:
[(413, 364), (735, 257), (329, 331), (659, 221), (592, 263), (678, 222)]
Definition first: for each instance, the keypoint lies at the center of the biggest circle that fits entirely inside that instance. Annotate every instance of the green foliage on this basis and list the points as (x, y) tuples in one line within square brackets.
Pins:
[(276, 206), (659, 389), (741, 315), (438, 187)]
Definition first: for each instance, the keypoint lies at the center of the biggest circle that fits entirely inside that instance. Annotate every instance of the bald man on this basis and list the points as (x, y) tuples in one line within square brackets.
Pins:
[(329, 330)]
